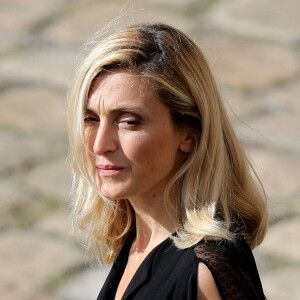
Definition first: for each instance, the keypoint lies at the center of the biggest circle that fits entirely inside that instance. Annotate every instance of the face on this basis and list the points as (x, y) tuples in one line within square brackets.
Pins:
[(133, 146)]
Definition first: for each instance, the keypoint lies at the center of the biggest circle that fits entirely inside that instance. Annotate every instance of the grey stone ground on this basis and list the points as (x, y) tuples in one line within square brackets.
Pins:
[(253, 47)]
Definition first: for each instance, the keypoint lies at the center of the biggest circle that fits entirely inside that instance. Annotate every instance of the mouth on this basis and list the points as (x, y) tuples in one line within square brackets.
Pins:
[(109, 170)]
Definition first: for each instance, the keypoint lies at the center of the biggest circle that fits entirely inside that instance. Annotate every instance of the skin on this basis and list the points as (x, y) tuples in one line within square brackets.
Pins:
[(134, 149), (130, 130), (206, 286)]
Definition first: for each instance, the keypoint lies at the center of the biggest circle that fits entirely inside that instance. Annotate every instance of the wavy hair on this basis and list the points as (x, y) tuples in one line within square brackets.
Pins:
[(217, 193)]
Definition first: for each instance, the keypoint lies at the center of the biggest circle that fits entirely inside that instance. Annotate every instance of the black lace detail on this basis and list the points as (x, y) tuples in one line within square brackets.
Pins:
[(233, 268)]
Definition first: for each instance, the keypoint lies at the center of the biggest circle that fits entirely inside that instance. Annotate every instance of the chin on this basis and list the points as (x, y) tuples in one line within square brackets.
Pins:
[(110, 191), (115, 191), (114, 194)]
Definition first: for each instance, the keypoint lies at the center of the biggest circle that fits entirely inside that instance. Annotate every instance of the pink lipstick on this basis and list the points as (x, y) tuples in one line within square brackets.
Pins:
[(109, 170)]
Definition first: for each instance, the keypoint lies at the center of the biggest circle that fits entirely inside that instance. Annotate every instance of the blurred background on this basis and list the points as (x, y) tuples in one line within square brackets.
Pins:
[(253, 48)]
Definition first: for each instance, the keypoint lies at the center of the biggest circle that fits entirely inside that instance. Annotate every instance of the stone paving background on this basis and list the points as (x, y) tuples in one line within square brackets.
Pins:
[(253, 47)]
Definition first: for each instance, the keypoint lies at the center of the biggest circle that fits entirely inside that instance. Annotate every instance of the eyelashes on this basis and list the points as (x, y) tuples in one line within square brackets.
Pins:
[(130, 121), (126, 120), (91, 120)]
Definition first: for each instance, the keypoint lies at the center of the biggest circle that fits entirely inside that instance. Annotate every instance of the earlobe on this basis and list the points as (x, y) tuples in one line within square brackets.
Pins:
[(187, 144)]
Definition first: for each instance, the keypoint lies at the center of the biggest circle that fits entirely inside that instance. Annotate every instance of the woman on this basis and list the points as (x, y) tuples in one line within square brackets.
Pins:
[(161, 182)]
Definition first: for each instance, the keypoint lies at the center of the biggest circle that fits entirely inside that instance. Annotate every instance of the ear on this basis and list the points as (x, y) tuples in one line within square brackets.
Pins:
[(186, 144)]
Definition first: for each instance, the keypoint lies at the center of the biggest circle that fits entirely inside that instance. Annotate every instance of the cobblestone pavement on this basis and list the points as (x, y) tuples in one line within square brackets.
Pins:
[(253, 47)]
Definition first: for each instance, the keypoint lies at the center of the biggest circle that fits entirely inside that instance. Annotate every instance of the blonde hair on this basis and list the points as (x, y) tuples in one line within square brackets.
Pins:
[(217, 192)]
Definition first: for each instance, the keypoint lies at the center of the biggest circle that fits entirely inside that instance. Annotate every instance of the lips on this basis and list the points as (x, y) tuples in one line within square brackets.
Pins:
[(109, 170)]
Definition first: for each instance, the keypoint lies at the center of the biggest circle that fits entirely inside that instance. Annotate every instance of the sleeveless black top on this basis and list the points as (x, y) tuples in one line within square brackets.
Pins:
[(171, 273)]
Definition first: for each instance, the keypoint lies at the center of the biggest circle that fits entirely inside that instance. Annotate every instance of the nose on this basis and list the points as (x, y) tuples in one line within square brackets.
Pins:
[(105, 141)]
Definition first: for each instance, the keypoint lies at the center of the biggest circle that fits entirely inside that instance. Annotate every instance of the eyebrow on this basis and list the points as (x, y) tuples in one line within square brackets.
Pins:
[(117, 110)]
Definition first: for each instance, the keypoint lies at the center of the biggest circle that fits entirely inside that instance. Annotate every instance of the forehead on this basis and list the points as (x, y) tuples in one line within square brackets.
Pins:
[(118, 88)]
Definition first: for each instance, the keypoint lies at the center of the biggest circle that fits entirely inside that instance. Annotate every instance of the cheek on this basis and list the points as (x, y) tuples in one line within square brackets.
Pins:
[(89, 138), (146, 152), (139, 149)]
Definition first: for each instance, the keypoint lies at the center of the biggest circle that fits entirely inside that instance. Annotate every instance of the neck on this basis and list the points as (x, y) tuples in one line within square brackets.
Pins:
[(153, 224)]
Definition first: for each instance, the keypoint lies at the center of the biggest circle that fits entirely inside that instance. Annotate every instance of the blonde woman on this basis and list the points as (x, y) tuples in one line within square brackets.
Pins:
[(161, 183)]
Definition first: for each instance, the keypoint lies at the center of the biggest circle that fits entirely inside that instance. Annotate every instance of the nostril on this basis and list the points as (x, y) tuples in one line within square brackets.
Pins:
[(105, 141)]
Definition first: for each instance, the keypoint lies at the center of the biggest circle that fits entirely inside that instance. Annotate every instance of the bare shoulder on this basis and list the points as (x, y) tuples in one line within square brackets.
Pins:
[(206, 286)]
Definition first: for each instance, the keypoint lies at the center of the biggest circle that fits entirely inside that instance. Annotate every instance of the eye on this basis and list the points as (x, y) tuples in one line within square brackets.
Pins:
[(129, 121), (91, 119), (88, 119)]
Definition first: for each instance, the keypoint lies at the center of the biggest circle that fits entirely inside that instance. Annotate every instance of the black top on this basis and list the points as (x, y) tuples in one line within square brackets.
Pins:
[(171, 273)]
